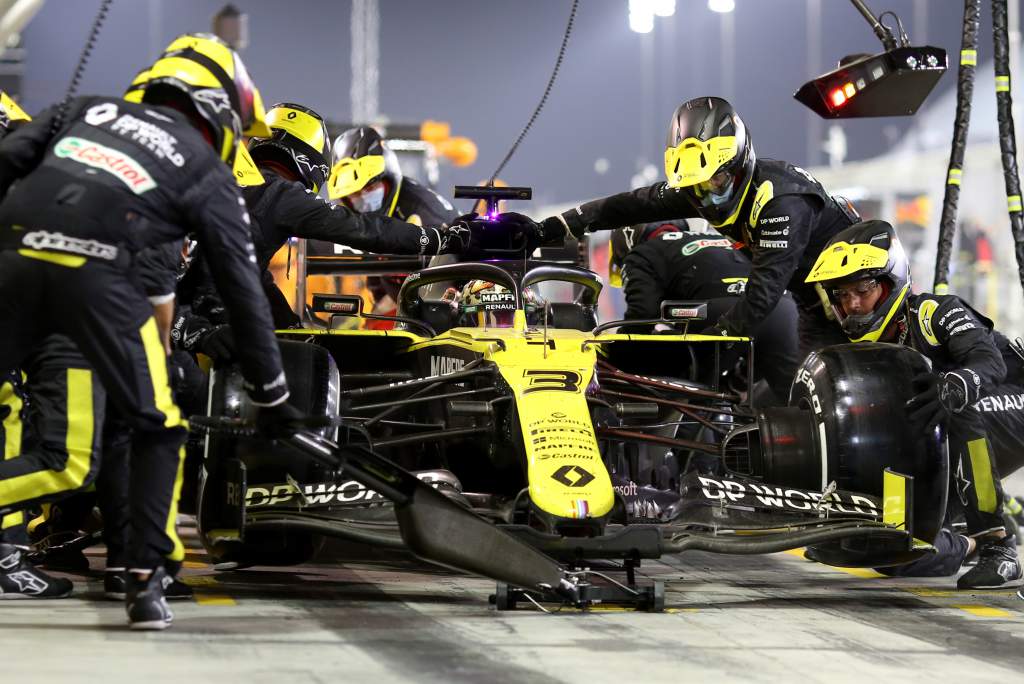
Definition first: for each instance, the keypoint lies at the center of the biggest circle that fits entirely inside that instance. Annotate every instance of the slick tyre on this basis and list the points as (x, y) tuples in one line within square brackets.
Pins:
[(855, 395)]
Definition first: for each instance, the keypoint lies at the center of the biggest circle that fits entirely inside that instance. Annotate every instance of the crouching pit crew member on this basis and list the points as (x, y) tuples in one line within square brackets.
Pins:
[(975, 390), (98, 180), (655, 262)]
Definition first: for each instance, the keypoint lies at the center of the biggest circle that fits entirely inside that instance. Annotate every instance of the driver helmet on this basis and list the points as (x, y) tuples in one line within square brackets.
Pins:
[(365, 175), (623, 240), (484, 304), (855, 261), (299, 142), (710, 157), (201, 75)]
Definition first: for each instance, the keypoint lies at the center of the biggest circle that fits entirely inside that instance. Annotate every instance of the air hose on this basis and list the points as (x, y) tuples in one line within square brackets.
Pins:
[(83, 60), (964, 92), (544, 97), (1007, 135)]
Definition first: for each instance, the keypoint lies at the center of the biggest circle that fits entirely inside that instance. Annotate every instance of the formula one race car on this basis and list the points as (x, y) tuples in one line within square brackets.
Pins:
[(577, 440)]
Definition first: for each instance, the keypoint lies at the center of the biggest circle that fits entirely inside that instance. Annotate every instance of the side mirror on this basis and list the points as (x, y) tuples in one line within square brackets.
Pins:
[(684, 311), (338, 305)]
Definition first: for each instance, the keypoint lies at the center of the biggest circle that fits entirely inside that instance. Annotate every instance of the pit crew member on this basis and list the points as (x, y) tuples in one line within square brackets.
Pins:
[(293, 161), (660, 261), (49, 424), (774, 209), (98, 180), (975, 389), (367, 178)]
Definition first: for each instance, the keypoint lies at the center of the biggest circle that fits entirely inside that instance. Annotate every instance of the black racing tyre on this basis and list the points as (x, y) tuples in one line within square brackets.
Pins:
[(855, 394), (313, 383)]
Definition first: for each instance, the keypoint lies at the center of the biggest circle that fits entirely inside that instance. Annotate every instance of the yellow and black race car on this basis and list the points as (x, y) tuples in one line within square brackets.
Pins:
[(499, 389)]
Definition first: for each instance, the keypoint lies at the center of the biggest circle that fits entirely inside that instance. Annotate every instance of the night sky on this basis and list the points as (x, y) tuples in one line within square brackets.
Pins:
[(482, 66)]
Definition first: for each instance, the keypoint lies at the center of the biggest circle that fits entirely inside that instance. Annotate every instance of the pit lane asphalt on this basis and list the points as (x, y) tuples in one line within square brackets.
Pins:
[(383, 619)]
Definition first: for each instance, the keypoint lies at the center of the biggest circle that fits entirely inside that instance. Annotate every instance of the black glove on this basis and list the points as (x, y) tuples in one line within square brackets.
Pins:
[(553, 231), (726, 328), (457, 237), (720, 329), (218, 343), (523, 233), (280, 421), (938, 396)]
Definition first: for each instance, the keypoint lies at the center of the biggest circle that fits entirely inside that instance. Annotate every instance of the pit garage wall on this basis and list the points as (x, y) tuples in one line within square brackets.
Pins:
[(907, 190)]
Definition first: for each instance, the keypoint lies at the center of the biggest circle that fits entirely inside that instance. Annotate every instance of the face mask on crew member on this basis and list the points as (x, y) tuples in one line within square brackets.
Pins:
[(368, 200), (717, 190)]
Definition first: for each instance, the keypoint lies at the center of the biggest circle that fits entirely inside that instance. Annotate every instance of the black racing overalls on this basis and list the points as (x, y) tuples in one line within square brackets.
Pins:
[(281, 209), (80, 203), (12, 420), (684, 265), (987, 437), (53, 420)]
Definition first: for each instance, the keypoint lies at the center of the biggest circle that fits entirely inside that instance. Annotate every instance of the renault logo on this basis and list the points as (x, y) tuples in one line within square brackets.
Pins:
[(572, 476)]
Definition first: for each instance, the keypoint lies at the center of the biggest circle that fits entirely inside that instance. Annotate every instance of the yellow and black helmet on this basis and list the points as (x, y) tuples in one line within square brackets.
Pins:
[(201, 71), (868, 253), (362, 160), (137, 88), (299, 141), (710, 156), (11, 115)]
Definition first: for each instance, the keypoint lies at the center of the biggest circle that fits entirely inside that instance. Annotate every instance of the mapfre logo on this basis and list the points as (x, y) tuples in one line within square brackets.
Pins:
[(444, 365), (104, 158)]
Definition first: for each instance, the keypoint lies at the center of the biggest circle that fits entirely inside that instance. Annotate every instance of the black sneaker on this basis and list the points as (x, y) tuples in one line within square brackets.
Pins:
[(114, 586), (998, 566), (19, 579), (147, 607), (68, 560), (176, 590)]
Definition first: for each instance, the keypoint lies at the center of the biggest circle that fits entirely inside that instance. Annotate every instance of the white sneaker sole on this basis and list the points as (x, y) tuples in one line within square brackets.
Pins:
[(151, 625), (1012, 584), (29, 597), (122, 597)]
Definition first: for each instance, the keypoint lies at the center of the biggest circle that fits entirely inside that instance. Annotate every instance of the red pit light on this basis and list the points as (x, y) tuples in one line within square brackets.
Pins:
[(838, 97)]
